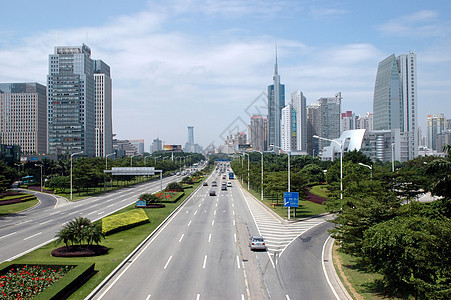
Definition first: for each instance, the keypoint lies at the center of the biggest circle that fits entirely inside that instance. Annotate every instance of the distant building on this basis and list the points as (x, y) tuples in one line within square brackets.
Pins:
[(71, 101), (103, 109), (258, 132), (287, 129), (157, 145), (365, 122), (323, 119), (23, 116), (139, 144), (436, 125), (190, 146), (376, 144), (124, 148), (395, 100), (298, 102), (348, 121)]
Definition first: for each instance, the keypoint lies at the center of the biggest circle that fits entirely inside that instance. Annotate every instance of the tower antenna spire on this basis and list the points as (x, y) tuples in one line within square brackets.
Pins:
[(276, 68)]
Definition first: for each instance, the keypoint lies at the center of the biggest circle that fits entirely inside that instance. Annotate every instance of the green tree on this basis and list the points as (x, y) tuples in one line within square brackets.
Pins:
[(365, 203), (413, 254), (59, 183), (313, 173), (7, 176), (440, 169), (174, 186)]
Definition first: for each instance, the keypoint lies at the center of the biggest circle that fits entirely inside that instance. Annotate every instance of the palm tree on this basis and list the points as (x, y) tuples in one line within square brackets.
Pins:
[(64, 236), (442, 169), (93, 234)]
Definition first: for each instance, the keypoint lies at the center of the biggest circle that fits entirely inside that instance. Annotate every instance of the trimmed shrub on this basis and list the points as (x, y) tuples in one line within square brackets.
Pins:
[(174, 186), (122, 221)]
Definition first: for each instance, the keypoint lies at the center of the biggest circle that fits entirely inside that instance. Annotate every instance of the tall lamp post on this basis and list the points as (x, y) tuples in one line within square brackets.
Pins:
[(289, 177), (247, 169), (341, 160), (369, 167), (41, 175), (71, 156), (261, 152), (131, 159), (106, 168), (393, 157)]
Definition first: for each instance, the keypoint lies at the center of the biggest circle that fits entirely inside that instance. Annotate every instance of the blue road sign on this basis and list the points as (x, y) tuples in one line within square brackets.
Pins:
[(141, 203), (290, 199)]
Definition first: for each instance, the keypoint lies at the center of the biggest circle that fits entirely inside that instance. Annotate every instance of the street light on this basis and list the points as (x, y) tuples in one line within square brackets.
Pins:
[(261, 152), (341, 161), (106, 160), (106, 168), (393, 157), (71, 156), (247, 169), (289, 177), (370, 167), (131, 159), (41, 175)]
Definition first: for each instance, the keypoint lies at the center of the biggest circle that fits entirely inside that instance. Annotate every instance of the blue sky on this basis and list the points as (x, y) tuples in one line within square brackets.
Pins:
[(207, 63)]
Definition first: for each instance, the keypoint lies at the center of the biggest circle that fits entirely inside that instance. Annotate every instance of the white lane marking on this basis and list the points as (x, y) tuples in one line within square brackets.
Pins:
[(233, 212), (242, 297), (200, 204), (238, 262), (32, 236), (45, 221), (288, 297), (93, 212), (189, 223), (205, 262), (8, 234), (209, 238), (324, 269), (101, 212), (212, 222), (167, 263), (111, 205), (181, 237), (198, 297), (233, 222), (233, 205), (148, 297), (187, 211), (195, 212), (214, 213), (234, 237)]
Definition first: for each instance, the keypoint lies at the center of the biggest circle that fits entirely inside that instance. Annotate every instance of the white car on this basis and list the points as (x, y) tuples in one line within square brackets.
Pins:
[(257, 243), (229, 184)]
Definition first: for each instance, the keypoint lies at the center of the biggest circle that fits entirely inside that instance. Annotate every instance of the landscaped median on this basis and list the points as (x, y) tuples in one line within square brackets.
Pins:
[(123, 221), (120, 244), (12, 202)]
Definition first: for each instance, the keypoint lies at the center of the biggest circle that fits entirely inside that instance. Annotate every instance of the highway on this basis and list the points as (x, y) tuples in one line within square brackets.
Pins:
[(22, 232), (202, 253)]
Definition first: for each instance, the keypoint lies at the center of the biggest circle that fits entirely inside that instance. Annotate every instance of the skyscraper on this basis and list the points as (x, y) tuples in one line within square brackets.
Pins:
[(190, 134), (23, 115), (286, 128), (435, 126), (71, 101), (394, 102), (276, 101), (257, 132), (298, 101), (103, 109)]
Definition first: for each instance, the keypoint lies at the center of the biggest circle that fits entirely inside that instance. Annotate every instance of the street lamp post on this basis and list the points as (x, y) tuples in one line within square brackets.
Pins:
[(261, 152), (289, 176), (341, 161), (106, 168), (247, 169), (106, 160), (393, 157), (41, 176), (369, 167), (131, 159), (71, 156)]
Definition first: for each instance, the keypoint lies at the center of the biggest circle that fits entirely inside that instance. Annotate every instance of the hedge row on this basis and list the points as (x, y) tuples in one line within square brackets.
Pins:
[(122, 221)]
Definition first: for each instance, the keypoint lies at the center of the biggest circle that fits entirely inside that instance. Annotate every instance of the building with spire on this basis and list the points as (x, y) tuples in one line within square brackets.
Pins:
[(276, 101)]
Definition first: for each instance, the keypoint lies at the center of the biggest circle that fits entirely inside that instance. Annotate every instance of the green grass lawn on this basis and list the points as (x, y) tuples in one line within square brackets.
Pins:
[(305, 209), (121, 244), (16, 207), (320, 190)]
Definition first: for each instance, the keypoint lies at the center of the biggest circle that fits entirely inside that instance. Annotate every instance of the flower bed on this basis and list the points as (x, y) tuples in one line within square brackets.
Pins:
[(169, 196), (122, 221), (27, 281)]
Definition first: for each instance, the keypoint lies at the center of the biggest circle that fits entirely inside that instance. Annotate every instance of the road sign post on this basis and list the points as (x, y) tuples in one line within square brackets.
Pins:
[(290, 199)]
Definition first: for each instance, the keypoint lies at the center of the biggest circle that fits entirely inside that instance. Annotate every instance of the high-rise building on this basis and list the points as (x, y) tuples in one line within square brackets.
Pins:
[(23, 116), (157, 145), (395, 100), (298, 101), (324, 121), (286, 128), (191, 134), (71, 101), (348, 121), (276, 101), (103, 109), (258, 133), (435, 125), (139, 144)]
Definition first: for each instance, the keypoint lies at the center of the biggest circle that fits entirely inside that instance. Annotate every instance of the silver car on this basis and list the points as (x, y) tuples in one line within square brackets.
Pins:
[(257, 243)]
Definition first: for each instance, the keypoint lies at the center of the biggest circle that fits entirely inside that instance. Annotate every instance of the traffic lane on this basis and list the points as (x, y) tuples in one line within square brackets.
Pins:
[(38, 228), (300, 268), (182, 270)]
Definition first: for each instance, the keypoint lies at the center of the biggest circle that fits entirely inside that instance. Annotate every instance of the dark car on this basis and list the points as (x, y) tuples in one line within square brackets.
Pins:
[(205, 183), (214, 183), (212, 193)]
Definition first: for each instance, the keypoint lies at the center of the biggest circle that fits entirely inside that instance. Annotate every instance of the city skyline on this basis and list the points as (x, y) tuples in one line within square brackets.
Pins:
[(203, 63)]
